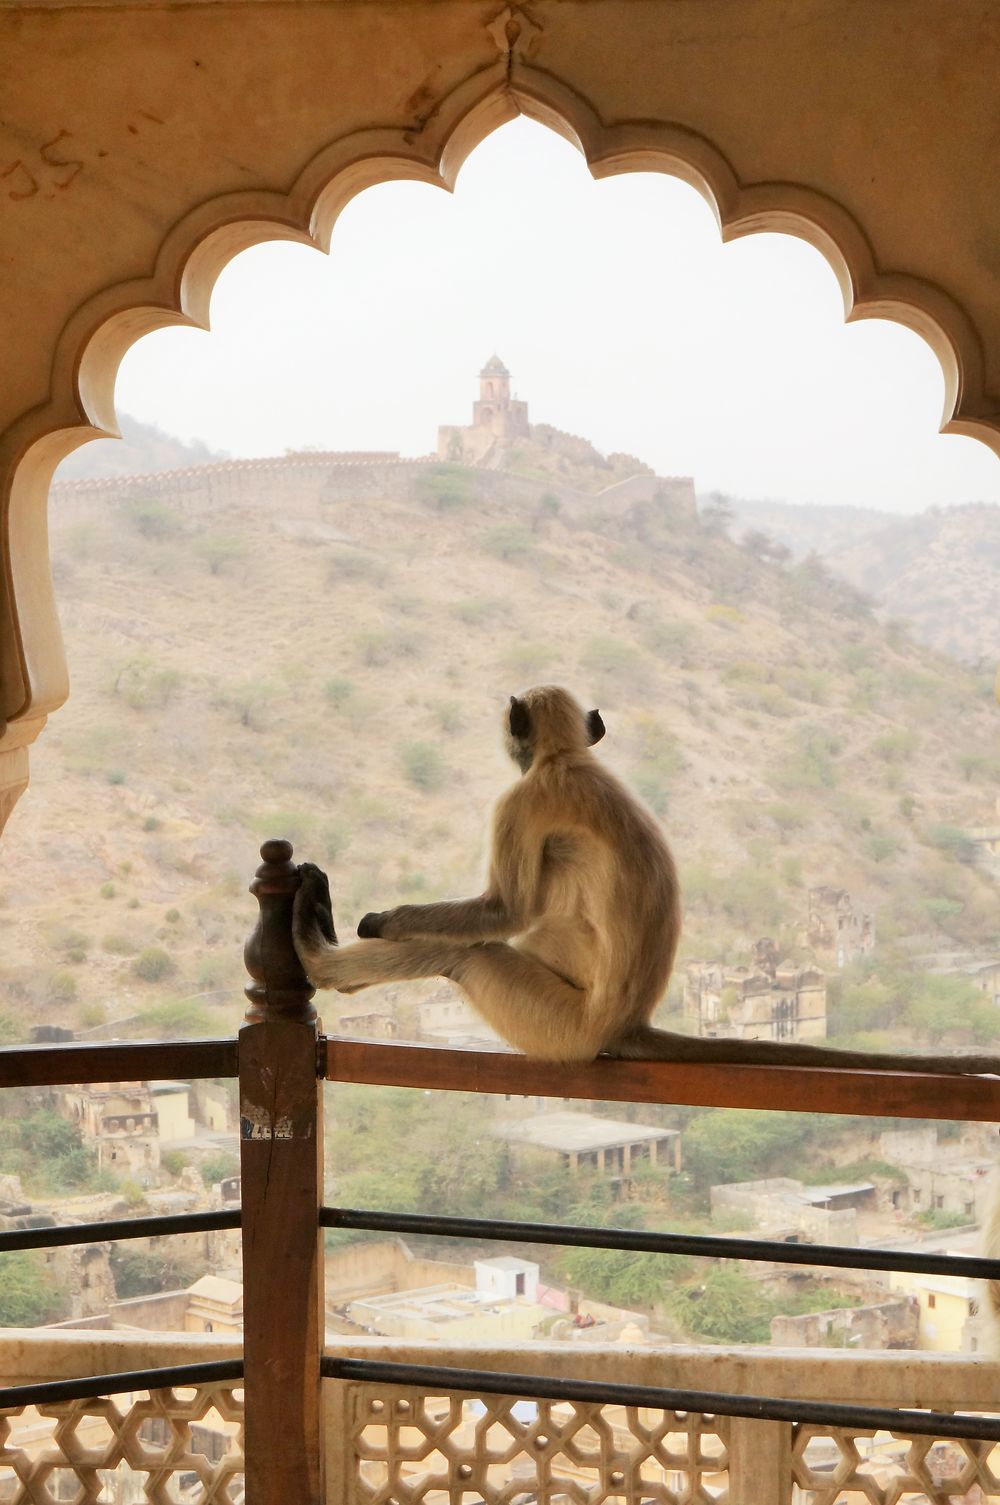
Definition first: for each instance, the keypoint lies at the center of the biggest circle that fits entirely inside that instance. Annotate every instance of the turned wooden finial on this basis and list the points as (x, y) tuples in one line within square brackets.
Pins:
[(280, 988)]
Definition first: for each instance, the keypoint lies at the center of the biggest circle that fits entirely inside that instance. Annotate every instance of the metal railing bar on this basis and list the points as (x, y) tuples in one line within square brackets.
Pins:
[(708, 1246), (804, 1089), (704, 1402), (116, 1061), (118, 1229), (12, 1397)]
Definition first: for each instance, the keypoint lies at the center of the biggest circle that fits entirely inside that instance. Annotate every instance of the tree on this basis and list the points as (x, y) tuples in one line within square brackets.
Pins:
[(621, 1276), (717, 513), (763, 546), (737, 1144), (29, 1296), (727, 1307), (140, 1274)]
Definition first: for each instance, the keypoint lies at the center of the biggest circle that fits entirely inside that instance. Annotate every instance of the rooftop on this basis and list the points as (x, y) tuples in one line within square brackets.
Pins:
[(442, 1303), (571, 1133)]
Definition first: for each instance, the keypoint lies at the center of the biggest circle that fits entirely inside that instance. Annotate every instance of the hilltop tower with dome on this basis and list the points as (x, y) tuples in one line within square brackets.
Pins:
[(496, 418)]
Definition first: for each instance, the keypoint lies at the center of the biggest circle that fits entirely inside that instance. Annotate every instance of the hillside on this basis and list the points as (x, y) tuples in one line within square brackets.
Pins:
[(142, 448), (937, 570), (331, 667)]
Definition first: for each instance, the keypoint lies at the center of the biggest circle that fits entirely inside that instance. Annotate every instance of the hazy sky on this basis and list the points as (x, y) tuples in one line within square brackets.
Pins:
[(617, 309)]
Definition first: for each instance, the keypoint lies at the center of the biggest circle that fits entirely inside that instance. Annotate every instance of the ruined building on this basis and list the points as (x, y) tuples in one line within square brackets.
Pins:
[(768, 1000), (837, 930)]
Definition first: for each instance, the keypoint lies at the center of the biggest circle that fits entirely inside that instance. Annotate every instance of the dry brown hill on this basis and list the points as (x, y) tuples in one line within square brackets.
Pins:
[(938, 570), (329, 664)]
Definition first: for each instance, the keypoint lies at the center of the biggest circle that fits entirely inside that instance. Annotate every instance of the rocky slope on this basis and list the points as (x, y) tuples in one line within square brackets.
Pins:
[(338, 679), (938, 570)]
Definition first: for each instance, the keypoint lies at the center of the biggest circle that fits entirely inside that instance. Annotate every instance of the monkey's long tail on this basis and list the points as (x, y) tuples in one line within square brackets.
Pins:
[(648, 1044)]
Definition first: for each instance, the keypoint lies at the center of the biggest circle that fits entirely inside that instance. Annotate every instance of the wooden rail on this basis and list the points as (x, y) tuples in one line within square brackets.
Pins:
[(135, 1061), (871, 1094)]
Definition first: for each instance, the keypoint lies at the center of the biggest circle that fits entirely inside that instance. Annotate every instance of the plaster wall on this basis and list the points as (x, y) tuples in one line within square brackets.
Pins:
[(142, 146)]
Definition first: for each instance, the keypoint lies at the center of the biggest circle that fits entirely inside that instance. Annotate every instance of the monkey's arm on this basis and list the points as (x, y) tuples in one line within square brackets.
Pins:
[(505, 909)]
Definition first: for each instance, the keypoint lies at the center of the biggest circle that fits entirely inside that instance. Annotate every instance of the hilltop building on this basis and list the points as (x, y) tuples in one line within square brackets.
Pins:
[(768, 1000), (495, 416), (837, 930)]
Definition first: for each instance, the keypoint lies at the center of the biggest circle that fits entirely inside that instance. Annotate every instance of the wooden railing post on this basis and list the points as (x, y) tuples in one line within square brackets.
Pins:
[(281, 1156)]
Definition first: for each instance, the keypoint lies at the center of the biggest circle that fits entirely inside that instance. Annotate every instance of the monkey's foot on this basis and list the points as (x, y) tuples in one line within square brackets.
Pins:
[(312, 914)]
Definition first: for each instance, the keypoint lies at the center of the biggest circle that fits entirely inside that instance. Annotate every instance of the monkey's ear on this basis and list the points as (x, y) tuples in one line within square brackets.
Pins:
[(519, 718), (595, 727)]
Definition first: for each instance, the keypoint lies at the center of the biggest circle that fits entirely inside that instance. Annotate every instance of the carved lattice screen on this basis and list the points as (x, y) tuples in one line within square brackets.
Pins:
[(829, 1466), (165, 1447), (409, 1447)]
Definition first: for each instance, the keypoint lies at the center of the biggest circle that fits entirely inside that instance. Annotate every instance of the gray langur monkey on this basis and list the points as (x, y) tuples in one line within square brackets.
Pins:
[(569, 950)]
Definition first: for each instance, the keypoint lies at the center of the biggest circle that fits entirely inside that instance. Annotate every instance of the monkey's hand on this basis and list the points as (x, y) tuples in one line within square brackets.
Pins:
[(312, 914)]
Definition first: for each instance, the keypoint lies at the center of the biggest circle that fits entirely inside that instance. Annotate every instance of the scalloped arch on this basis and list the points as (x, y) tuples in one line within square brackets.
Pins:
[(95, 339)]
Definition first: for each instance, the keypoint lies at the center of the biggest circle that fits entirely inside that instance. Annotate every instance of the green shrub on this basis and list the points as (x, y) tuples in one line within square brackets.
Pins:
[(669, 640), (120, 943), (879, 846), (151, 823), (335, 836), (116, 776), (217, 1167), (721, 614), (338, 691), (172, 916), (726, 1306), (378, 647), (248, 700), (528, 659), (213, 970), (140, 1274), (935, 1217), (423, 765), (62, 987), (151, 519), (153, 964), (173, 1161), (896, 747), (479, 611), (616, 665), (449, 715), (108, 890), (219, 550), (952, 840), (29, 1295), (509, 542), (787, 817), (810, 763), (177, 1019), (444, 487)]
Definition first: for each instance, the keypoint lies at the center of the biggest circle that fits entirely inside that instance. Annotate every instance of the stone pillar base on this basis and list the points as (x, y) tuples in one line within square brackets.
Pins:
[(14, 743)]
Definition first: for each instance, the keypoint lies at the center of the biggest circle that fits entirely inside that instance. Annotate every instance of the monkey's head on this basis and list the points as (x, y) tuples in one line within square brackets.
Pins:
[(548, 720)]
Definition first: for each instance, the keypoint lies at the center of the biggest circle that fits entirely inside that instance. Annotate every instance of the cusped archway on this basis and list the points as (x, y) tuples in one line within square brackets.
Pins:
[(84, 364)]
